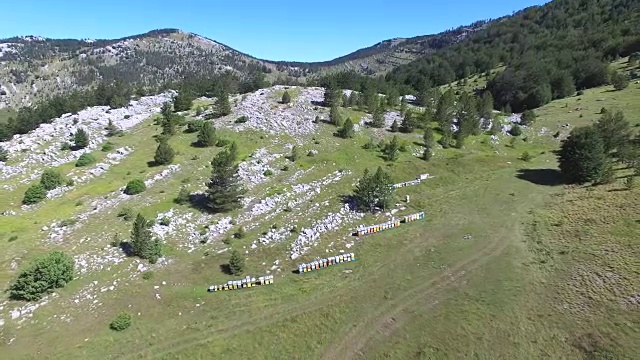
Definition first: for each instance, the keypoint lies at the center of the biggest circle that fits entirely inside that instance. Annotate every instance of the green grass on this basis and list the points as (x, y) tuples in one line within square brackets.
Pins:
[(547, 268), (5, 114)]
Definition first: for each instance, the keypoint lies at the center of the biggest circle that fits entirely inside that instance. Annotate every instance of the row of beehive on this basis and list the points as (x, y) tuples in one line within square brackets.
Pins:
[(377, 228), (242, 284), (406, 183), (389, 225), (414, 217), (323, 263)]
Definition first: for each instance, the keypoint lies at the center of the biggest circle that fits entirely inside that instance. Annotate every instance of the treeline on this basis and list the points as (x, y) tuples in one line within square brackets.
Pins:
[(549, 51), (118, 94)]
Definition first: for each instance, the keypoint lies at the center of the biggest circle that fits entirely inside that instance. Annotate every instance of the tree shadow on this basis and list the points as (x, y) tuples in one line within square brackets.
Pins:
[(126, 248), (317, 103), (152, 164), (349, 200), (545, 177), (199, 201), (226, 269)]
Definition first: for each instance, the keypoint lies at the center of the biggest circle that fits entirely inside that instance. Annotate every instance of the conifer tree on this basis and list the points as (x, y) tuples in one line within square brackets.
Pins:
[(236, 263), (164, 153), (169, 123), (445, 110), (207, 135), (427, 137), (485, 105), (332, 96), (426, 154), (334, 116), (223, 107), (394, 126), (378, 118), (4, 154), (182, 102), (392, 97), (295, 154), (582, 156), (111, 128), (81, 139), (408, 122), (373, 190), (286, 97), (392, 149), (614, 130), (224, 190), (347, 130), (142, 243)]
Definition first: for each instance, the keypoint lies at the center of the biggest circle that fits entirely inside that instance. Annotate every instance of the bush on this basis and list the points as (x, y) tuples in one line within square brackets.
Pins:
[(242, 119), (134, 187), (81, 139), (85, 159), (147, 275), (4, 154), (516, 130), (526, 156), (34, 194), (528, 116), (108, 146), (65, 146), (267, 172), (126, 213), (13, 238), (165, 221), (194, 126), (286, 97), (223, 142), (127, 116), (285, 168), (182, 197), (240, 233), (51, 179), (121, 322), (68, 222), (580, 93), (42, 276)]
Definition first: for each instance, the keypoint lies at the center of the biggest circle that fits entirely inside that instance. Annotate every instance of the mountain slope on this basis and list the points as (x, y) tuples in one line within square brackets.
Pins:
[(33, 66)]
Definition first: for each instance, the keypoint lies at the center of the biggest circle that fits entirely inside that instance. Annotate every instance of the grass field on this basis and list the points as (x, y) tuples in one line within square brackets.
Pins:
[(508, 263)]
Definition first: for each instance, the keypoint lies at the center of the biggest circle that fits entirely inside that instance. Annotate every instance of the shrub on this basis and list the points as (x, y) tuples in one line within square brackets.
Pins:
[(68, 222), (516, 130), (51, 179), (42, 276), (267, 172), (127, 116), (194, 126), (242, 119), (126, 213), (81, 139), (286, 97), (182, 197), (240, 233), (135, 186), (580, 93), (4, 154), (165, 221), (108, 146), (85, 159), (13, 238), (34, 194), (223, 142), (121, 322), (147, 275), (528, 116), (65, 146), (526, 156), (285, 168)]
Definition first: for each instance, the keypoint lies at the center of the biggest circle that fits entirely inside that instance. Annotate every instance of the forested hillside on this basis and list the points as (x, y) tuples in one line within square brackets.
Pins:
[(550, 51)]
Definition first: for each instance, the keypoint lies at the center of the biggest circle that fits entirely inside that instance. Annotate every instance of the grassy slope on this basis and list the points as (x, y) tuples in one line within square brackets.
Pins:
[(529, 283)]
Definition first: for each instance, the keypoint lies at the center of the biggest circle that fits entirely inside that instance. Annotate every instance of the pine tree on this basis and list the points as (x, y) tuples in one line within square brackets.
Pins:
[(378, 118), (225, 191), (286, 97), (236, 263), (614, 130), (223, 107), (428, 138), (408, 123), (332, 96), (165, 110), (353, 99), (392, 97), (582, 156), (295, 154), (426, 155), (495, 127), (334, 116), (164, 153), (485, 105), (347, 130), (169, 124), (394, 126), (468, 120), (4, 154), (403, 106), (373, 190), (111, 128), (182, 102), (81, 139), (142, 243), (444, 111), (392, 150), (207, 135)]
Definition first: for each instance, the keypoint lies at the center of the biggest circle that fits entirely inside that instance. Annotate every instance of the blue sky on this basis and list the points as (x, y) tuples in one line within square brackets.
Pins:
[(275, 30)]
